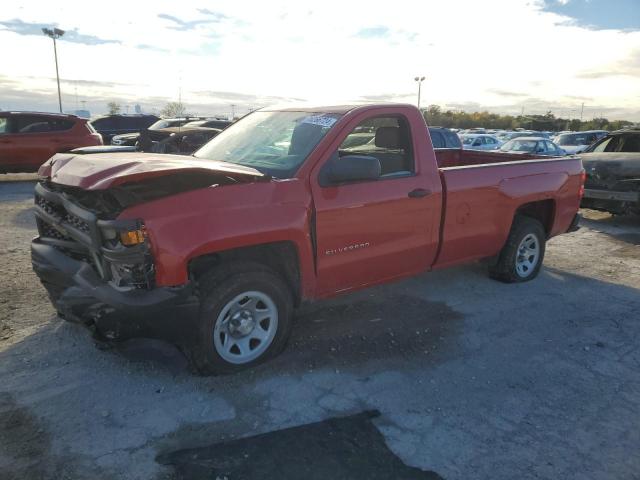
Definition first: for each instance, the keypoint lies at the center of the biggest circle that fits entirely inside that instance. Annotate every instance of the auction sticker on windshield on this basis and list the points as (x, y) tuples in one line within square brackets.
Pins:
[(321, 120)]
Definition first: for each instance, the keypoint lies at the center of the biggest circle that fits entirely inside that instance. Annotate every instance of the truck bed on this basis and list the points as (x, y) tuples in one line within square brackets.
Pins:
[(481, 199), (456, 157)]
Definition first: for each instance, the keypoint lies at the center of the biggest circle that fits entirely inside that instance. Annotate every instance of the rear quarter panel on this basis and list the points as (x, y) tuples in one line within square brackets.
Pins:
[(482, 200)]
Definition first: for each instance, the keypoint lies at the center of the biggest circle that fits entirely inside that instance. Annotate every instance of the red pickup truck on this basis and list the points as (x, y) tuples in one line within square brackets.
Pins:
[(214, 252)]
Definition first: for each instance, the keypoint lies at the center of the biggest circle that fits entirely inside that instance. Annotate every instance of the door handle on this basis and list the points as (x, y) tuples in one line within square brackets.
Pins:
[(419, 193)]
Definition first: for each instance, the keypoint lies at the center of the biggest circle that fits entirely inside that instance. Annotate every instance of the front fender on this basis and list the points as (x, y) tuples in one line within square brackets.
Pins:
[(218, 218)]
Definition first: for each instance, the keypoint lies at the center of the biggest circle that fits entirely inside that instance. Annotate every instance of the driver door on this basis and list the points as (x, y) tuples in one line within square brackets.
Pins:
[(371, 231)]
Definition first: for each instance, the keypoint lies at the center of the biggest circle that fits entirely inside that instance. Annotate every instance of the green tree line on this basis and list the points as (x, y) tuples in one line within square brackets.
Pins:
[(435, 116)]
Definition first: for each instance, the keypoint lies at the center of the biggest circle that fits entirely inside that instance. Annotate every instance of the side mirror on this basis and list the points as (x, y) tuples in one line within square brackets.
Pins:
[(350, 168)]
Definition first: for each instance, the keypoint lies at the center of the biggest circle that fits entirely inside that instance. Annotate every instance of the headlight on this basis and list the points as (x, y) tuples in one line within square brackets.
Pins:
[(133, 237)]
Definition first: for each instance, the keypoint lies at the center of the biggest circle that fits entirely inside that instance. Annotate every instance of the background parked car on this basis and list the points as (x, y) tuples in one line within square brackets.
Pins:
[(28, 139), (579, 141), (131, 139), (534, 145), (185, 141), (111, 125), (479, 142), (613, 173), (444, 138)]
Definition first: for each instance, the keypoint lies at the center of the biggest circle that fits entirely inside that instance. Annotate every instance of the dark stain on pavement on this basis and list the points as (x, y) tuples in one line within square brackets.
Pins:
[(337, 448), (368, 326)]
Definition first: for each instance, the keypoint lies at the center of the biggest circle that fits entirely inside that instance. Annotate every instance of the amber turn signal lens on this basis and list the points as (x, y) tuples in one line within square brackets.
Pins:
[(133, 237)]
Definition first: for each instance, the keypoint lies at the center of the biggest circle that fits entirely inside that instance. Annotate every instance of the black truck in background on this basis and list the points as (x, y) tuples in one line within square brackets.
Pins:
[(613, 173)]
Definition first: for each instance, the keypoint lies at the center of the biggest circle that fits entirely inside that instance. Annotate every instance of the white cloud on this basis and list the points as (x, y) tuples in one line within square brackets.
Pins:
[(329, 52)]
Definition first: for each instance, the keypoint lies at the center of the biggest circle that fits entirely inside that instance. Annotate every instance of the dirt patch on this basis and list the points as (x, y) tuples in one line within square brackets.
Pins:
[(365, 326), (338, 448)]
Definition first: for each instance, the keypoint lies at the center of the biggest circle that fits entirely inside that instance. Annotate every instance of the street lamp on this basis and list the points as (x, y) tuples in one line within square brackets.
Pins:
[(419, 80), (54, 34)]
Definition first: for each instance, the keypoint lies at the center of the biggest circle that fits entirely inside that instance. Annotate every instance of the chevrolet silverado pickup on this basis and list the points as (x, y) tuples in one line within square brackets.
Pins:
[(214, 252)]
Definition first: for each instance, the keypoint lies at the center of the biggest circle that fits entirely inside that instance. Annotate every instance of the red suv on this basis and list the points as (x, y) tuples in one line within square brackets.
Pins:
[(28, 139)]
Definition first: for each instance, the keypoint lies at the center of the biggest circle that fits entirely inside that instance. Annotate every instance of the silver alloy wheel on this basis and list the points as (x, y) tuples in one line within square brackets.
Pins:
[(528, 255), (245, 327)]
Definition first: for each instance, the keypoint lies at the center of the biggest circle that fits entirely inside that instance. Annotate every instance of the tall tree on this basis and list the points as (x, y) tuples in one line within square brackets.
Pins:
[(174, 109), (114, 108)]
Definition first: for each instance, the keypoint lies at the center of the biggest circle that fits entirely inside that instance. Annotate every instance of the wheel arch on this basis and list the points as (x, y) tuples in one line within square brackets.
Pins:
[(542, 210), (281, 257)]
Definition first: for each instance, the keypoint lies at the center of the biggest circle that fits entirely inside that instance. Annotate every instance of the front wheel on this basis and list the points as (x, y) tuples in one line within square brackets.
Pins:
[(521, 258), (245, 319)]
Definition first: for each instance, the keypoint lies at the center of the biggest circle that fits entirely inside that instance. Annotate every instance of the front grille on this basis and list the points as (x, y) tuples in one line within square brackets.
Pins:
[(49, 231), (60, 213), (75, 231)]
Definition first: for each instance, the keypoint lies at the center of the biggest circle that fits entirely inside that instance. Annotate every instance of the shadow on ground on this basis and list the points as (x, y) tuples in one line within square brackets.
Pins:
[(337, 448)]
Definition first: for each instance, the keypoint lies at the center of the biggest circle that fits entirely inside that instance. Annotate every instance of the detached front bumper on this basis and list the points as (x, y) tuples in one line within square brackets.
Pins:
[(80, 295)]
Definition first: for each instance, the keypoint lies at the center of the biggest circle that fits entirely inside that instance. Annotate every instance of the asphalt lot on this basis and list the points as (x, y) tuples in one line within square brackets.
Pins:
[(468, 378)]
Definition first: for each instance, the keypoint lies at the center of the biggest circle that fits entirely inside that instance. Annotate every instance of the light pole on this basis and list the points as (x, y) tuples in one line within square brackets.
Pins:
[(53, 34), (419, 80)]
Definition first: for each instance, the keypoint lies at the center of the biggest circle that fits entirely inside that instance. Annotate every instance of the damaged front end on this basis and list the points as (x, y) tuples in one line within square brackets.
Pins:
[(98, 267), (99, 270)]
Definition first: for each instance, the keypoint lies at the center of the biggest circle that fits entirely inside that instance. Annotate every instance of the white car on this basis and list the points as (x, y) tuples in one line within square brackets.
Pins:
[(578, 142), (479, 142)]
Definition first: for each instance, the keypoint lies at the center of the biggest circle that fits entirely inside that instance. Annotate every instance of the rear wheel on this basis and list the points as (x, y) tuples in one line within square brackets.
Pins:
[(521, 258), (245, 318)]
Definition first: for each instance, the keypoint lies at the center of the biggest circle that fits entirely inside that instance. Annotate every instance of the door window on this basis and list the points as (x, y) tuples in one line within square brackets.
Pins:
[(390, 144), (3, 125)]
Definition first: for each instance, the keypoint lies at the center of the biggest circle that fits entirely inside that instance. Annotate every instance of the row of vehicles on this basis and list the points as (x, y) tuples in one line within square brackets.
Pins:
[(542, 143), (28, 139)]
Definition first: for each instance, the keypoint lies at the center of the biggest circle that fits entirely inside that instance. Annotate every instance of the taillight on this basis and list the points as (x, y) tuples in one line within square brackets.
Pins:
[(583, 179)]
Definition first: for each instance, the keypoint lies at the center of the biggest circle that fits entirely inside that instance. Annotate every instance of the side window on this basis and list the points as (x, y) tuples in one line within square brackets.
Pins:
[(60, 125), (550, 147), (30, 124), (630, 143), (606, 145), (4, 127), (437, 139), (390, 143)]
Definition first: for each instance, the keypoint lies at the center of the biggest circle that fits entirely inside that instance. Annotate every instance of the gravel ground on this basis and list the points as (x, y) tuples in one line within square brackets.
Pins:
[(471, 378)]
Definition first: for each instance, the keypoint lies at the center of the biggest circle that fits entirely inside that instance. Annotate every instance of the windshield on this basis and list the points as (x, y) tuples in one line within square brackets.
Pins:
[(275, 143), (468, 140), (519, 146)]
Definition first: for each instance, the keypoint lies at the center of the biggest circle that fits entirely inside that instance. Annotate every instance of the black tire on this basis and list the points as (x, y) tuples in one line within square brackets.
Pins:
[(505, 268), (217, 290)]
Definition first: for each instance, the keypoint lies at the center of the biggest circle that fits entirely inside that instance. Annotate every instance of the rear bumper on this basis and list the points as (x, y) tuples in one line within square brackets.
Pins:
[(611, 201), (612, 195), (79, 295)]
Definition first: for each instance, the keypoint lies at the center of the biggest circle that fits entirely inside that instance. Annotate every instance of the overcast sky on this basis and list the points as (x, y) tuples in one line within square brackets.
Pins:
[(500, 55)]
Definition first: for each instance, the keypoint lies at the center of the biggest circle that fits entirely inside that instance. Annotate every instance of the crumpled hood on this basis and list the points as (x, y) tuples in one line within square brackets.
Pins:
[(102, 171)]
